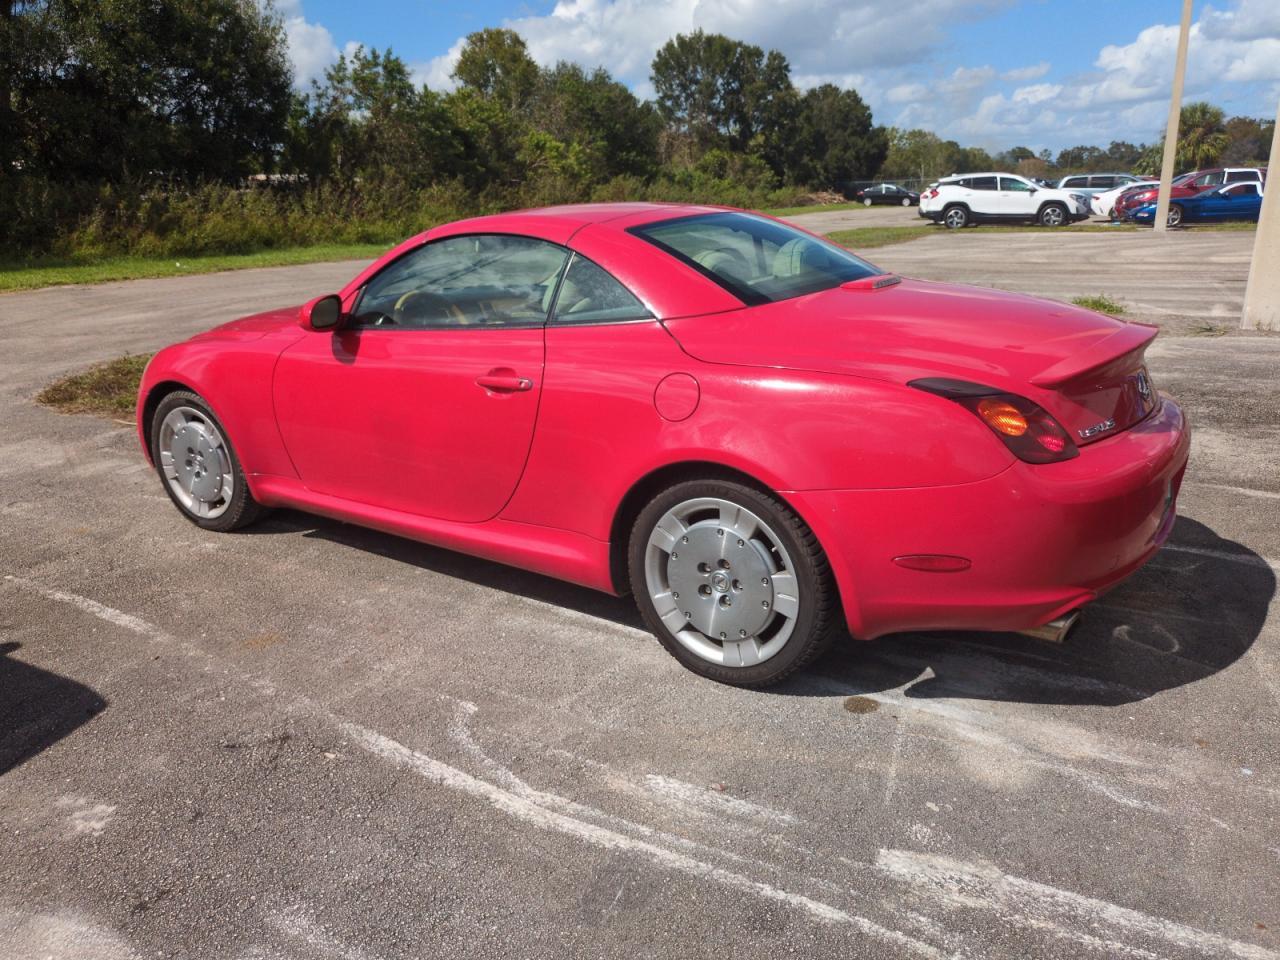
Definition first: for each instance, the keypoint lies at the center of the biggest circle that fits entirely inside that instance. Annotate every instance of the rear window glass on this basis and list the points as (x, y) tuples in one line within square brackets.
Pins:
[(757, 260)]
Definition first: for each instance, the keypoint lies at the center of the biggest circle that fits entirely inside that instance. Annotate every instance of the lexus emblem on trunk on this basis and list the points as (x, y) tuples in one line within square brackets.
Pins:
[(1097, 428)]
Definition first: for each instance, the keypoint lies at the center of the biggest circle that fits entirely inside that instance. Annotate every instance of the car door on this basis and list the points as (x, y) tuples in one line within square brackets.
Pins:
[(984, 196), (424, 401), (1241, 201), (1015, 198)]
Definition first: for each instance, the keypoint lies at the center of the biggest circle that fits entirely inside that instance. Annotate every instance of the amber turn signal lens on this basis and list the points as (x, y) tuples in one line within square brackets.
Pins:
[(1003, 417)]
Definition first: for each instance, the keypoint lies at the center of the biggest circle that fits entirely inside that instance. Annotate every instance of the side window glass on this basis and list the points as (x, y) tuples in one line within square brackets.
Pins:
[(984, 183), (471, 281), (1009, 183), (590, 295)]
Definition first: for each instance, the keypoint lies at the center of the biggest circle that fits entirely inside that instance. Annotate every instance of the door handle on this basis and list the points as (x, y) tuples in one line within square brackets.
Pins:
[(504, 383)]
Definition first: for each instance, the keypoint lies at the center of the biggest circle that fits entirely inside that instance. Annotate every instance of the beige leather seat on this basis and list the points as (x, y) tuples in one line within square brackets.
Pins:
[(794, 256), (728, 263)]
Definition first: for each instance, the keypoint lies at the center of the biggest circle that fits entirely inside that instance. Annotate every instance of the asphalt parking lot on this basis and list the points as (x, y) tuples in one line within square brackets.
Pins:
[(314, 741)]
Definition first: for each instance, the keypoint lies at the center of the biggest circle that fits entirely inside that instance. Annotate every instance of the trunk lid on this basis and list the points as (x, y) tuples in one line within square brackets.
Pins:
[(1083, 367)]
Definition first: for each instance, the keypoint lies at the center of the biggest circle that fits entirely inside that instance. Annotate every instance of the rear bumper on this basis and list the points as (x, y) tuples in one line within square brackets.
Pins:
[(1042, 540)]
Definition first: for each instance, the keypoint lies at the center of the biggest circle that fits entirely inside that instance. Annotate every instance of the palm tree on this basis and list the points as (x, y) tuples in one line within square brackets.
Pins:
[(1202, 136)]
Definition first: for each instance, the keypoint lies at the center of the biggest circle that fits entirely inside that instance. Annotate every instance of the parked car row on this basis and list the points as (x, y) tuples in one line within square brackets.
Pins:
[(1190, 197), (1221, 193)]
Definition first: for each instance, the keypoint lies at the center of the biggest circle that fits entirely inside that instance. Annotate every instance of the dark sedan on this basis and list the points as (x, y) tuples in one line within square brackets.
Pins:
[(888, 193)]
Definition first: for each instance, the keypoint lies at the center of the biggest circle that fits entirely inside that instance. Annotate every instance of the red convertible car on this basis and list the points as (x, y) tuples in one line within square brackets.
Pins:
[(759, 435)]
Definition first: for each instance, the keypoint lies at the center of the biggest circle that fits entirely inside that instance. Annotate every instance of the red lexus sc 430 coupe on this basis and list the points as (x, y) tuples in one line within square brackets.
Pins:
[(759, 435)]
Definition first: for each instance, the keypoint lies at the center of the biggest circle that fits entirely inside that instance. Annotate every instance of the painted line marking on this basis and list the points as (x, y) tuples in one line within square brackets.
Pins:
[(92, 607), (1060, 912), (1247, 491), (1248, 559), (538, 816)]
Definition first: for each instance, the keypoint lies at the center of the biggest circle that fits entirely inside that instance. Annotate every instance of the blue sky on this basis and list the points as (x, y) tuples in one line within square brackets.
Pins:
[(1044, 73)]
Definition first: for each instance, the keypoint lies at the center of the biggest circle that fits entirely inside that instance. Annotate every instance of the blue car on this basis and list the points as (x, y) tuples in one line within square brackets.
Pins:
[(1237, 201)]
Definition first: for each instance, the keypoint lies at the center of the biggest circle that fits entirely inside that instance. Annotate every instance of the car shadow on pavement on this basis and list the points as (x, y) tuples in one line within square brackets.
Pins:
[(1188, 614), (486, 573), (1194, 610), (38, 708)]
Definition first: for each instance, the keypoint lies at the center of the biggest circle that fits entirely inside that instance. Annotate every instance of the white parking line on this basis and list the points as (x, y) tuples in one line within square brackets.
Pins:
[(521, 809), (1247, 491), (1060, 912), (1248, 559)]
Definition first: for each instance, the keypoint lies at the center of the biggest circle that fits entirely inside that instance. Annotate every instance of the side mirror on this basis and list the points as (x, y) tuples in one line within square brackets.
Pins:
[(322, 313)]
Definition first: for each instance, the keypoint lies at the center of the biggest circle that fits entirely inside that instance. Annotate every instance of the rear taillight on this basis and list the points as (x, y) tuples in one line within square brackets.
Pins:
[(929, 194), (1026, 428)]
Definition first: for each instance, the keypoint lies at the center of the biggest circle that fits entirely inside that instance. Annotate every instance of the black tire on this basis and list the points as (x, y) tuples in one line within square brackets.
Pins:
[(955, 217), (242, 509), (1175, 215), (818, 618), (1053, 215)]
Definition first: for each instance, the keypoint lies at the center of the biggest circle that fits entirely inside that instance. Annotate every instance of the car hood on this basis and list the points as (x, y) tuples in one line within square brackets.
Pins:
[(902, 331), (255, 326)]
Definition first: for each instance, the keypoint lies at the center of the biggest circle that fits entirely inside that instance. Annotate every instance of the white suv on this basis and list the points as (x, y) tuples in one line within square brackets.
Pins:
[(1000, 197)]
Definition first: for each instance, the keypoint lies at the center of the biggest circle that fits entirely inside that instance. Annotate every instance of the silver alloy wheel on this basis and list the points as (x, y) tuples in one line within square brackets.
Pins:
[(196, 463), (1175, 216), (956, 217), (866, 202), (722, 582), (906, 201), (1052, 217)]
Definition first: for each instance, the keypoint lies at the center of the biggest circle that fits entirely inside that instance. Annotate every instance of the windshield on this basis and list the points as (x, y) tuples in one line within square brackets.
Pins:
[(755, 259)]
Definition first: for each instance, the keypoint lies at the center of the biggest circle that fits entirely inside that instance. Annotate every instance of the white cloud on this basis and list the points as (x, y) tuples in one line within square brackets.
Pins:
[(1037, 93), (1023, 74), (436, 73), (1233, 60), (311, 46), (827, 41)]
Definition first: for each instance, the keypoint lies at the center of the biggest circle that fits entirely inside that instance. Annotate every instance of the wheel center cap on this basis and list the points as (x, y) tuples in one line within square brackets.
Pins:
[(720, 582)]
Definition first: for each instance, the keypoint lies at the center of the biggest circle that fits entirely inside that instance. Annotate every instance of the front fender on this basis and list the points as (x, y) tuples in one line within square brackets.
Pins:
[(233, 377)]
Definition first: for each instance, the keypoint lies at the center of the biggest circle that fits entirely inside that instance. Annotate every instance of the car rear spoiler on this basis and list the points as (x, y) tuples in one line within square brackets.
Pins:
[(1130, 337)]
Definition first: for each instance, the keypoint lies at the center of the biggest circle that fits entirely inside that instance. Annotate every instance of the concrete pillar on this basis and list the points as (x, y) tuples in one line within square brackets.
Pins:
[(1262, 295), (1175, 117)]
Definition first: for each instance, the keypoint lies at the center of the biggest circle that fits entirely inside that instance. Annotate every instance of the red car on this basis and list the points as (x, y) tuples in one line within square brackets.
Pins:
[(759, 435), (1140, 196)]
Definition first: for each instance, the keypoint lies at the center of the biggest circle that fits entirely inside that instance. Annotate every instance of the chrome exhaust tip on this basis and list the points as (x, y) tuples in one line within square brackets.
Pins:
[(1055, 631)]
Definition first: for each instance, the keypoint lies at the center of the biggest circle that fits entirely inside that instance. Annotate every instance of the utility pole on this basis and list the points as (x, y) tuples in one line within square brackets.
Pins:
[(1171, 128), (1262, 295)]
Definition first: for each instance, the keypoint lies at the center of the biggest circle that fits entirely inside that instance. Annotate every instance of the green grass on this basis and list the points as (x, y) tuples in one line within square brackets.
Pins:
[(109, 389), (866, 238), (812, 208), (1099, 303), (49, 273)]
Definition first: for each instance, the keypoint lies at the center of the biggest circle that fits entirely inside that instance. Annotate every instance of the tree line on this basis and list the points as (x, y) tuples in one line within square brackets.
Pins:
[(135, 125)]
